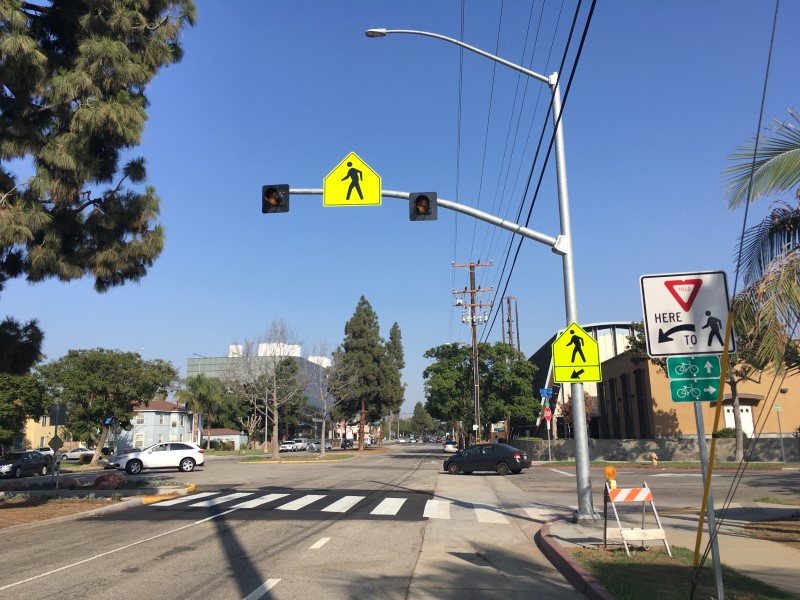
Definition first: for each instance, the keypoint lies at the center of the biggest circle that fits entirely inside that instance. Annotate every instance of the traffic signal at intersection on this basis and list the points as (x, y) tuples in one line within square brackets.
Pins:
[(275, 198), (422, 206)]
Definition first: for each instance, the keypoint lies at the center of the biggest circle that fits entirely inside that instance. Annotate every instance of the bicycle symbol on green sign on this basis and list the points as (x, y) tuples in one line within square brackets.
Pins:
[(688, 390), (685, 368)]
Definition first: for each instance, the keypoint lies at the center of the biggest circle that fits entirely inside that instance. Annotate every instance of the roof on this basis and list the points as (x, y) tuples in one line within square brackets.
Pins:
[(161, 406), (224, 431)]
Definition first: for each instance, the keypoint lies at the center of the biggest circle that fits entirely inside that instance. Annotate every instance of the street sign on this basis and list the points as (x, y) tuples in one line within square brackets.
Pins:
[(546, 392), (351, 183), (685, 313), (777, 408), (692, 367), (55, 443), (696, 390), (547, 413), (58, 414), (576, 357)]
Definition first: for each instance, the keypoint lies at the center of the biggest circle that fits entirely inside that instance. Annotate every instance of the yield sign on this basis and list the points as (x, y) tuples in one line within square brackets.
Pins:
[(685, 313), (684, 291)]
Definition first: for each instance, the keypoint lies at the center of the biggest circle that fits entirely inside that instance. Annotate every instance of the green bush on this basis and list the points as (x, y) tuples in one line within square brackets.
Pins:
[(85, 459), (728, 433)]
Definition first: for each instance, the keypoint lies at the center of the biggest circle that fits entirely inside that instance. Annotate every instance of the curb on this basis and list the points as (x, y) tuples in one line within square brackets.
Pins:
[(575, 574)]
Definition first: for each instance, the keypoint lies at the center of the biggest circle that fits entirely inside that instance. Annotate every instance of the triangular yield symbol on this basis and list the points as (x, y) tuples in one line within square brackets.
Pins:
[(684, 291)]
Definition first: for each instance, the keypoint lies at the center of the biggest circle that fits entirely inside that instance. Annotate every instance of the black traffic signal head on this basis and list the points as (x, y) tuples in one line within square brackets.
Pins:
[(274, 198), (422, 206)]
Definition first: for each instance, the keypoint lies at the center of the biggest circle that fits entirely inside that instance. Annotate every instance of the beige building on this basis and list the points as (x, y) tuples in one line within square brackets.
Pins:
[(634, 402)]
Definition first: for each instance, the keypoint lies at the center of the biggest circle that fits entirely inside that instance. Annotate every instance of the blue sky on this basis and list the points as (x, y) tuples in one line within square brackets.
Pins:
[(281, 92)]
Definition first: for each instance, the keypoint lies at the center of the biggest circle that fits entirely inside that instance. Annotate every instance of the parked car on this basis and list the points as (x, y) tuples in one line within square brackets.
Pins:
[(502, 458), (300, 444), (401, 440), (28, 462), (184, 456), (46, 450), (347, 444), (76, 453), (450, 446), (287, 446), (314, 445)]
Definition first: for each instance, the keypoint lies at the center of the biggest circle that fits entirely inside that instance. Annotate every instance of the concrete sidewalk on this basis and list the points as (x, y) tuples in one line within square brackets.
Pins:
[(770, 562)]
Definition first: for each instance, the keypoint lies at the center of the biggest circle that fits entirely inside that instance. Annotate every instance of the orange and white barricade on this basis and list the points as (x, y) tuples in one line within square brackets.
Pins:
[(644, 495)]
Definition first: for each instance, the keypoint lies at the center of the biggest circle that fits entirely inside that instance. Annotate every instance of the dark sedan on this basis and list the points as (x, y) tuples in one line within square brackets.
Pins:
[(17, 464), (502, 458)]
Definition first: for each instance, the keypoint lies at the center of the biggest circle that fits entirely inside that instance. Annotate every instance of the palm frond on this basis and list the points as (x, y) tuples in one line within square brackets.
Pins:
[(773, 239), (776, 167)]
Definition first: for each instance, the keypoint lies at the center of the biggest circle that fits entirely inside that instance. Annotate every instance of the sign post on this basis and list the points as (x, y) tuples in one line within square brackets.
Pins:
[(547, 415)]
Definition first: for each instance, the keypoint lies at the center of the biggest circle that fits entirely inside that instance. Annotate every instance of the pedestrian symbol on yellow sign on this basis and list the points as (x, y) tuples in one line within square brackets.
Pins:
[(351, 183), (577, 342), (576, 356)]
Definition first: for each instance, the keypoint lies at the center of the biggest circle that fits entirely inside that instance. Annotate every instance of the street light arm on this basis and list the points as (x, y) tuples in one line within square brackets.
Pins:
[(502, 61), (556, 244)]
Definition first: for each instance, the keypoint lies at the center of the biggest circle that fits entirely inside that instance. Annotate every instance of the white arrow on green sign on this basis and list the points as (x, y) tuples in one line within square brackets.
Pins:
[(692, 367), (696, 390)]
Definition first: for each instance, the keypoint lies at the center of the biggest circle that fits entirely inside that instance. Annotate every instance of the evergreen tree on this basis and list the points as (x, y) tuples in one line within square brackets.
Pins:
[(72, 101), (373, 373)]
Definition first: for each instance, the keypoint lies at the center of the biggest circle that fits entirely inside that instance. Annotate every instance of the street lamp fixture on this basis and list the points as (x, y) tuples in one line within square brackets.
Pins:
[(585, 512)]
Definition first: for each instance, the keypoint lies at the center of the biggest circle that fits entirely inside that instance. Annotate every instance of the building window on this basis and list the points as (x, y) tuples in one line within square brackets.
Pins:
[(613, 400), (138, 440), (41, 442), (641, 404), (182, 420), (140, 419), (626, 405), (180, 437), (44, 421), (160, 438), (160, 418)]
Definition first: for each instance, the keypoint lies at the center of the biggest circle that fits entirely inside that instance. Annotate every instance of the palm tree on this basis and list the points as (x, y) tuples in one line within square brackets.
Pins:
[(770, 257), (767, 310), (202, 396)]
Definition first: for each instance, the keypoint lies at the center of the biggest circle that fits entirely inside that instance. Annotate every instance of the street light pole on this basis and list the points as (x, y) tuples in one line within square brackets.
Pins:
[(585, 512)]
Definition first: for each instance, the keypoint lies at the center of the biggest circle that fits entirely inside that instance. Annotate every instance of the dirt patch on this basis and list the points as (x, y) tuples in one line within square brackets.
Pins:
[(784, 531), (16, 511)]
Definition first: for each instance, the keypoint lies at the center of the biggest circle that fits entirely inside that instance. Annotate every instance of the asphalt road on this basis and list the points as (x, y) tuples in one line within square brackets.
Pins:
[(386, 525)]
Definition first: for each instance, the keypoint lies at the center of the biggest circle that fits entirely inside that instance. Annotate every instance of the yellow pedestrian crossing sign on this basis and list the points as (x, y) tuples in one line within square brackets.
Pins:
[(352, 183), (576, 357)]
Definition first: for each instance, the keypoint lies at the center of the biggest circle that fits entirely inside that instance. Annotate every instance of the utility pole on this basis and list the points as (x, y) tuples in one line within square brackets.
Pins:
[(471, 313), (509, 319)]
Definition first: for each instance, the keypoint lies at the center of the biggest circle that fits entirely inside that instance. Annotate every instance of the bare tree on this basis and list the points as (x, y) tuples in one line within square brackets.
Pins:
[(266, 374), (331, 381), (250, 424)]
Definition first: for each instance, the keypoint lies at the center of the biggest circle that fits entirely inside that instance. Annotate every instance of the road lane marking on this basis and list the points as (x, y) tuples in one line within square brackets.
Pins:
[(320, 543), (389, 506), (563, 473), (262, 589), (437, 509), (343, 504), (220, 500), (677, 475), (300, 502), (489, 514), (259, 501), (185, 499), (102, 554)]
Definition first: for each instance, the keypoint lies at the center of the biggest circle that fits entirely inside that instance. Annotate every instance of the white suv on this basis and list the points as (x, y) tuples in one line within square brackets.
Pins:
[(184, 456)]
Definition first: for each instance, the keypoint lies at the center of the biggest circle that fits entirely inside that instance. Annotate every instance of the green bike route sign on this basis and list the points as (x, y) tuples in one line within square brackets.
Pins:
[(694, 378)]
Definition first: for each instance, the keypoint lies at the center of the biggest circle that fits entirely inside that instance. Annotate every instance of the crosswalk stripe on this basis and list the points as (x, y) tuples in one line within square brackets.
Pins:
[(181, 499), (220, 500), (437, 509), (389, 506), (300, 502), (259, 501), (489, 514), (343, 504)]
